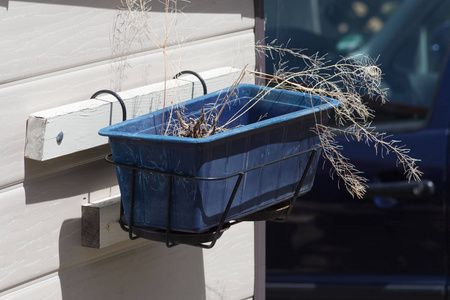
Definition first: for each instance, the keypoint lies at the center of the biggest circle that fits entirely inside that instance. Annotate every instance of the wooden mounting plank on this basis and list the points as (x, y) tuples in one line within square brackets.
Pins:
[(100, 224), (72, 128)]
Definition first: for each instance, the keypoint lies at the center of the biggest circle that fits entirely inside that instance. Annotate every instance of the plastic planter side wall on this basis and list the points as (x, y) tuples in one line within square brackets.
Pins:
[(277, 126)]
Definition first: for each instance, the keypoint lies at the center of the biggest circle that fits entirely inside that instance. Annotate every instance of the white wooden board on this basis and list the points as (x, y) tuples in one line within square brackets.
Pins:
[(100, 226), (77, 124)]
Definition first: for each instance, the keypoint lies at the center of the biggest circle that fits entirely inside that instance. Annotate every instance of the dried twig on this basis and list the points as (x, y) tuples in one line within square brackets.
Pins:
[(348, 81)]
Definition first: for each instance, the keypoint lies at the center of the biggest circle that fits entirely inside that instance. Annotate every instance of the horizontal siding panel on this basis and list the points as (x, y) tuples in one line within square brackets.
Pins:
[(229, 268), (41, 219), (153, 272), (57, 54), (23, 99), (47, 288), (40, 37), (41, 234), (149, 272)]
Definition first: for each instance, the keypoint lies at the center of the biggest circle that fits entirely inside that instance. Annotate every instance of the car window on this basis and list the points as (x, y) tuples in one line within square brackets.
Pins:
[(409, 39)]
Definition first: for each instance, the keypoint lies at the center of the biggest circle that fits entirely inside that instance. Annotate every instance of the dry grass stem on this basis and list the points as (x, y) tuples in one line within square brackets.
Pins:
[(350, 80), (205, 124), (139, 12)]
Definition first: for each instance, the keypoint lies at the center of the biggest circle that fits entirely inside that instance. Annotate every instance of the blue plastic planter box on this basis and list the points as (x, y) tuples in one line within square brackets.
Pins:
[(278, 126)]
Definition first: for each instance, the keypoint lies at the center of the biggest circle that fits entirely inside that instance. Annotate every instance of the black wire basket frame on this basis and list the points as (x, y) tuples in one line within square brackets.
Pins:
[(278, 212)]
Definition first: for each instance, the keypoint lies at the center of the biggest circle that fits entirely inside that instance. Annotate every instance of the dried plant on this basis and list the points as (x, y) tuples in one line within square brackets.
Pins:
[(348, 80), (205, 124), (138, 12)]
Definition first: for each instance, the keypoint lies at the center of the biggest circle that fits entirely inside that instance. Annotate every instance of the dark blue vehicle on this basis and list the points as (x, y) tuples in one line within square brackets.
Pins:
[(394, 243)]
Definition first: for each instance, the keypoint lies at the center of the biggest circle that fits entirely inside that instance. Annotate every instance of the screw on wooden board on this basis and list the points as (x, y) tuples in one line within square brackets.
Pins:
[(59, 137), (108, 227)]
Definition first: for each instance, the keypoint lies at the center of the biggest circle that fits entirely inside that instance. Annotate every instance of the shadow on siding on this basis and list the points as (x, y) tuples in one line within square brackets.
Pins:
[(225, 7), (63, 179), (130, 270)]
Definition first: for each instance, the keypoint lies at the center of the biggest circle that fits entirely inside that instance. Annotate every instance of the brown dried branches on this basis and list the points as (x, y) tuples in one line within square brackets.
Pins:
[(348, 81), (205, 124), (195, 128)]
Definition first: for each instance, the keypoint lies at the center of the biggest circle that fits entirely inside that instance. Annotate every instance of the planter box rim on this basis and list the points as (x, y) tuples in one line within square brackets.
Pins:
[(111, 131)]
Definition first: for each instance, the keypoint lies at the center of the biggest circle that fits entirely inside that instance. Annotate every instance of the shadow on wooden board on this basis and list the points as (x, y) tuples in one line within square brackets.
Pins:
[(147, 271), (225, 7)]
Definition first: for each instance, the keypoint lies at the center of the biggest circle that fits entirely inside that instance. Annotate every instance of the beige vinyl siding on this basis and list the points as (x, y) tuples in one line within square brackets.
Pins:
[(55, 54)]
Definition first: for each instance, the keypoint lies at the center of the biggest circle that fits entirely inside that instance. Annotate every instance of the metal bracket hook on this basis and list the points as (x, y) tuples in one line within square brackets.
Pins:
[(205, 91), (122, 104)]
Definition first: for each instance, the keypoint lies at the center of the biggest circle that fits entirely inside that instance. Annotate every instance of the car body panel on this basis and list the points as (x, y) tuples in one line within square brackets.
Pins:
[(389, 245)]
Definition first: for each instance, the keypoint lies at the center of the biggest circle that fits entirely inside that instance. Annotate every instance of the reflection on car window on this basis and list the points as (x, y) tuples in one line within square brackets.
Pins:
[(408, 38)]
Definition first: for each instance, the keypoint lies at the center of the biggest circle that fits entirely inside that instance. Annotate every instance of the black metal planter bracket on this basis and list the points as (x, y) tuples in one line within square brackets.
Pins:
[(278, 212), (122, 104), (172, 238), (205, 90)]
